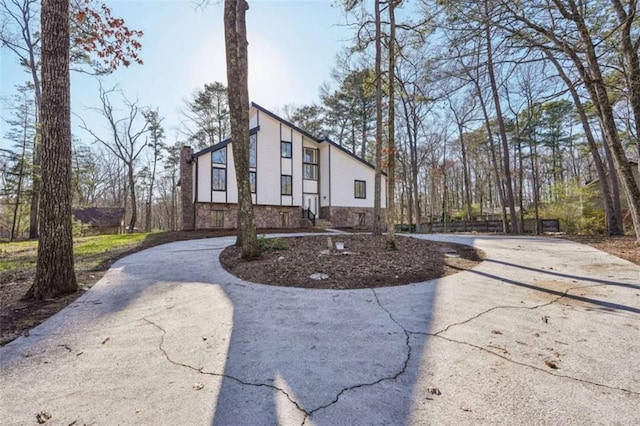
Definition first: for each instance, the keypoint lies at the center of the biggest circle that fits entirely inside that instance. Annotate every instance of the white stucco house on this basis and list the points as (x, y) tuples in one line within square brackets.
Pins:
[(295, 177)]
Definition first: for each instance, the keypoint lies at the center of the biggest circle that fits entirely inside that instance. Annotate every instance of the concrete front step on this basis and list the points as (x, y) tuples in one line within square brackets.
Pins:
[(323, 224)]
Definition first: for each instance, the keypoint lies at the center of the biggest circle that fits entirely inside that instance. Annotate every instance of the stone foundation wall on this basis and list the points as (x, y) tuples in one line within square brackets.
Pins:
[(347, 217), (264, 216)]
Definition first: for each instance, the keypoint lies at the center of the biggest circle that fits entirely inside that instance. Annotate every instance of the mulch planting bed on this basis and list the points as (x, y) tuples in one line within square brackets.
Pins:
[(365, 261)]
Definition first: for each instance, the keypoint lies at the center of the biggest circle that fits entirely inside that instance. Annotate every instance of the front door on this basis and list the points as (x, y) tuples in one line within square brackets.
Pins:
[(311, 203)]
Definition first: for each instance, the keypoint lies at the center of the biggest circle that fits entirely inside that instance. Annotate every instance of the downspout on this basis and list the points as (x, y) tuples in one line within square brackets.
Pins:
[(329, 180), (195, 187)]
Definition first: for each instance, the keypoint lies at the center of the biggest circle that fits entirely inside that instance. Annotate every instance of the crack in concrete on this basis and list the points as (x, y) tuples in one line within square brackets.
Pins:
[(495, 308), (382, 379), (226, 376), (408, 333), (540, 369)]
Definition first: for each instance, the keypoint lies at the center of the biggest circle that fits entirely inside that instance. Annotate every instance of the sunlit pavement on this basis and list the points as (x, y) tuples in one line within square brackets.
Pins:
[(544, 331)]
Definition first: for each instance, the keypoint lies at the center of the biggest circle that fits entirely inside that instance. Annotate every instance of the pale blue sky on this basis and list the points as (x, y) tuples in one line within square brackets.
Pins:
[(292, 47)]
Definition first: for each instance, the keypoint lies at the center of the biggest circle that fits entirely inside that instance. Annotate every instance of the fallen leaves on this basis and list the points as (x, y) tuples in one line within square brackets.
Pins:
[(551, 364), (434, 391), (43, 417)]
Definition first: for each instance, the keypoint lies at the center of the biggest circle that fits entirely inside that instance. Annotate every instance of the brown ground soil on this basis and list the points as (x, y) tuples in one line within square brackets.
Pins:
[(18, 316), (365, 262)]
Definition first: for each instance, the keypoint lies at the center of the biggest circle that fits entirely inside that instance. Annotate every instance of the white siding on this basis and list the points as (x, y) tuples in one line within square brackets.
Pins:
[(232, 187), (204, 178), (287, 167), (345, 170), (383, 202), (268, 161), (218, 197), (337, 171), (325, 196), (310, 186), (308, 143)]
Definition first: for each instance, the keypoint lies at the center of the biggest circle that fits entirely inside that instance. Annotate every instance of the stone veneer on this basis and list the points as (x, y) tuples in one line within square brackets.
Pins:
[(264, 216), (347, 217)]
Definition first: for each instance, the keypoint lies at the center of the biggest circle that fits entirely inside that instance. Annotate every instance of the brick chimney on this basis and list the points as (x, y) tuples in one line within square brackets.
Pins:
[(186, 185)]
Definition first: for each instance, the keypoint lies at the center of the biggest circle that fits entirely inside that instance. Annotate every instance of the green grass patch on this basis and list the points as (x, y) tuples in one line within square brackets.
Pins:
[(18, 255), (90, 246), (21, 255)]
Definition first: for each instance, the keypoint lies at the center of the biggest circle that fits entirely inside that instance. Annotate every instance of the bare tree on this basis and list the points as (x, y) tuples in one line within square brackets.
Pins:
[(125, 139), (19, 33), (206, 116), (157, 146), (506, 165), (391, 128), (627, 18), (377, 194), (463, 110), (579, 42), (235, 31)]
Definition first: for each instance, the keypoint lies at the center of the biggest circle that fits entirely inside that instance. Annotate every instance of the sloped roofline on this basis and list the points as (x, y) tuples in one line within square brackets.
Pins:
[(310, 136), (294, 127), (222, 144)]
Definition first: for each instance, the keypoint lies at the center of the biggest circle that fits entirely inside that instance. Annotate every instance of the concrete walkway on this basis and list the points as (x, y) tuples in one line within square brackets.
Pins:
[(544, 331)]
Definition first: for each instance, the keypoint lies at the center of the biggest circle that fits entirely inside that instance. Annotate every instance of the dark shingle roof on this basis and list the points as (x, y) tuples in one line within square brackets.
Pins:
[(100, 216)]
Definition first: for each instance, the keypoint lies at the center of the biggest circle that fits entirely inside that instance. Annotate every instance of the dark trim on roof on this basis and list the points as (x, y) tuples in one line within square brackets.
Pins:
[(282, 120), (222, 144), (310, 136), (109, 217)]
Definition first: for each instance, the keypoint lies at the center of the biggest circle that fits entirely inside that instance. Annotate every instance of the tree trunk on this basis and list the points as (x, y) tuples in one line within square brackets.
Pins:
[(132, 197), (377, 192), (593, 79), (411, 118), (35, 191), (391, 148), (494, 159), (630, 52), (55, 269), (465, 172), (501, 127), (147, 220), (16, 220), (235, 32), (613, 220)]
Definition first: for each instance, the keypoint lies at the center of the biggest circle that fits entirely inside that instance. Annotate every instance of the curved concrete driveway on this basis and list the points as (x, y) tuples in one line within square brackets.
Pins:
[(544, 332)]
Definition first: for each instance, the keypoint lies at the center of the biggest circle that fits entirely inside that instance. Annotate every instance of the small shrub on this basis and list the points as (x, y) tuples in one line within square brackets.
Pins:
[(272, 243), (279, 244), (594, 225), (263, 242), (77, 227)]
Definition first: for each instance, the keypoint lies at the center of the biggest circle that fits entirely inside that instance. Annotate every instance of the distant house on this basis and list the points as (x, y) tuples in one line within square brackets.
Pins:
[(100, 220), (295, 178), (594, 198)]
